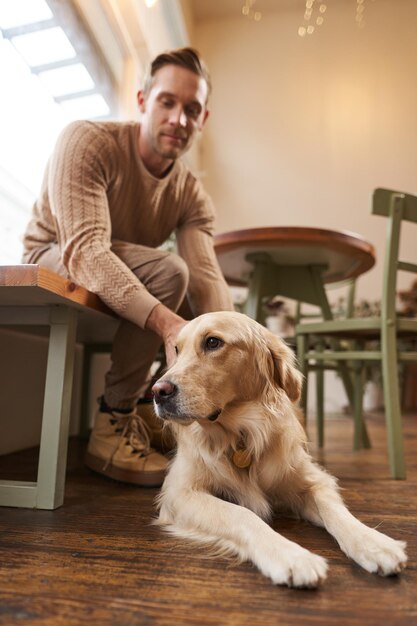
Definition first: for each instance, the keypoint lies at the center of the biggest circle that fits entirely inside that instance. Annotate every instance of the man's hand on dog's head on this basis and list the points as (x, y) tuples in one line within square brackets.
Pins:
[(167, 325)]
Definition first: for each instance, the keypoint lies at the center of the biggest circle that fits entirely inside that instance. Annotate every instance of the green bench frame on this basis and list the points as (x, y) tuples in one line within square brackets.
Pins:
[(32, 296)]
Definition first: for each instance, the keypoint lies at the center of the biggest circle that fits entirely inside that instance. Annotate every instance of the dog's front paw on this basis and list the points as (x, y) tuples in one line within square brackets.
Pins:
[(378, 553), (296, 567)]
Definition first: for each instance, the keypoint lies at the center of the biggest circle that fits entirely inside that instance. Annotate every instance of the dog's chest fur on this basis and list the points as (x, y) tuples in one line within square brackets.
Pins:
[(214, 471)]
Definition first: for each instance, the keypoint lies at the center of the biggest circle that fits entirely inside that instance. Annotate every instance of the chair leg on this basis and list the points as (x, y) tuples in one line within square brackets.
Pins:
[(392, 402), (320, 406), (345, 375), (360, 437), (320, 401), (303, 367)]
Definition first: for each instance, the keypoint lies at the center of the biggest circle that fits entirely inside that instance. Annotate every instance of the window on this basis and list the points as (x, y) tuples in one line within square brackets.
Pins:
[(51, 73)]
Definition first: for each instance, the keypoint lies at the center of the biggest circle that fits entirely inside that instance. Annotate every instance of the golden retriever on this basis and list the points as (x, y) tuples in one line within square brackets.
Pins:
[(231, 399)]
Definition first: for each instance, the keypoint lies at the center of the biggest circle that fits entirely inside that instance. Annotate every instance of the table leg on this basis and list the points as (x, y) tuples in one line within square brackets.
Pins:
[(301, 283), (258, 287)]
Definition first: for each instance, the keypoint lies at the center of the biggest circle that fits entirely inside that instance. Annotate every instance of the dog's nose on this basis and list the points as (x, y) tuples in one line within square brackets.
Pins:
[(163, 390)]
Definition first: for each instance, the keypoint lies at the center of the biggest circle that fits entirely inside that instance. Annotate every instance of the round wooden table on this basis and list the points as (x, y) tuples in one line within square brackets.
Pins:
[(294, 262)]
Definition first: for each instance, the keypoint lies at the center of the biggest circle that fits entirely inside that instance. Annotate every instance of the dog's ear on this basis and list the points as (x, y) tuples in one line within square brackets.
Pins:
[(285, 374)]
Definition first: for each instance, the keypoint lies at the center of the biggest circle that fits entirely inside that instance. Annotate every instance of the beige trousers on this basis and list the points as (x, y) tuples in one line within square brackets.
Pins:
[(165, 276)]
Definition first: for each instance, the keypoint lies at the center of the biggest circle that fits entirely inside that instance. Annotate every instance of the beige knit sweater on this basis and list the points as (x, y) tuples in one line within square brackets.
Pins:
[(96, 190)]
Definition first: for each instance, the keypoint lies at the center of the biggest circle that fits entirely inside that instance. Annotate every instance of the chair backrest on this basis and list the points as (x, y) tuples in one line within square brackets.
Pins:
[(396, 206), (384, 200)]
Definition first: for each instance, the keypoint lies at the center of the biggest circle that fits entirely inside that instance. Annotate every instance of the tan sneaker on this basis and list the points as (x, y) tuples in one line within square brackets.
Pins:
[(159, 431), (119, 447)]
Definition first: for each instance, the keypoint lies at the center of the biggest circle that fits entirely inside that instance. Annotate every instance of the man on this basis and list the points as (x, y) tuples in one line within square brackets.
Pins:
[(112, 193)]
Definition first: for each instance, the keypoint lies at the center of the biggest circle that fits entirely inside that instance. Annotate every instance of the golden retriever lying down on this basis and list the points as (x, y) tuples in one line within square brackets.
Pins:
[(231, 399)]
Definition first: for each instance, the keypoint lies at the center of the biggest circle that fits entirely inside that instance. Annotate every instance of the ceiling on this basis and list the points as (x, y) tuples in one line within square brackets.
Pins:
[(215, 9)]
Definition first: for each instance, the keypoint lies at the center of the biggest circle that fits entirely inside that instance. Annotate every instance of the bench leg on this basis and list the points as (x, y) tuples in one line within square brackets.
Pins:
[(56, 409)]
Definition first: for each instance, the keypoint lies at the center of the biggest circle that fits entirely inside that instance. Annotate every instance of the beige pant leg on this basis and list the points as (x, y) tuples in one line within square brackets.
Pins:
[(165, 275)]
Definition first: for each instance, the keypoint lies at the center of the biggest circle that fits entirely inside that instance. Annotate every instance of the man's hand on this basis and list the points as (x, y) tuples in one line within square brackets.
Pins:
[(167, 325)]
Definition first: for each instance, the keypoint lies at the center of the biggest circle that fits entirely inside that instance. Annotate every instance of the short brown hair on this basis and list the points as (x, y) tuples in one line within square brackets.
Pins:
[(184, 57)]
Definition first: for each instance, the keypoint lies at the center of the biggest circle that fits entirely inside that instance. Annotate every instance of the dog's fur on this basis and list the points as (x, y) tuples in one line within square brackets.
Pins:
[(242, 391)]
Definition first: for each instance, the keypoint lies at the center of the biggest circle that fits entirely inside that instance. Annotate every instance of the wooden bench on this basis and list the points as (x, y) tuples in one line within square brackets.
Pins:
[(34, 297)]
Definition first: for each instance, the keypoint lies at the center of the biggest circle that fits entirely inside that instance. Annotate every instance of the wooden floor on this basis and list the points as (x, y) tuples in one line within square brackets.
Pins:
[(99, 561)]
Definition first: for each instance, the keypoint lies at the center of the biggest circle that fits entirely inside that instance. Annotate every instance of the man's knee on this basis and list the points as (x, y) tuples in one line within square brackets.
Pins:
[(164, 274), (177, 271), (172, 280)]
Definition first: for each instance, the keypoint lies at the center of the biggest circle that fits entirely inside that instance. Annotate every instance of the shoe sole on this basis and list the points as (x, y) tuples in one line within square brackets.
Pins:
[(143, 479)]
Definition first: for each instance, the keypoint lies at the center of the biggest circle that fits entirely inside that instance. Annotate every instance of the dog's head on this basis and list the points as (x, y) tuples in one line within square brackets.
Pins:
[(224, 359)]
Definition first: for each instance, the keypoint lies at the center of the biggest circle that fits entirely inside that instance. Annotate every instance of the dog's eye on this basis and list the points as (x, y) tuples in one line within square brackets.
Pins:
[(213, 343), (176, 350)]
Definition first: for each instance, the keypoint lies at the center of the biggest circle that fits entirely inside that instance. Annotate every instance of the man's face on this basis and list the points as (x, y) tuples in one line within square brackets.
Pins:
[(173, 111)]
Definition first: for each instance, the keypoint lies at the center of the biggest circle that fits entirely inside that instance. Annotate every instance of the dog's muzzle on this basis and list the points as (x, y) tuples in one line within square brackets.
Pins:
[(166, 396)]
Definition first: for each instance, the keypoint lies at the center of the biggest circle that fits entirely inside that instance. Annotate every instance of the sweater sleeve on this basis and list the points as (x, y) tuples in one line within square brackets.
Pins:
[(208, 290), (81, 171)]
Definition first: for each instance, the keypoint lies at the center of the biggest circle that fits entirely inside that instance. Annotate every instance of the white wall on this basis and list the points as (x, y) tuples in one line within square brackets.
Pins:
[(303, 129), (23, 371)]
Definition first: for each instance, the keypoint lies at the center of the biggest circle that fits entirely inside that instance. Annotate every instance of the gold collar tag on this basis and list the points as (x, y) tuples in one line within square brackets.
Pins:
[(241, 458)]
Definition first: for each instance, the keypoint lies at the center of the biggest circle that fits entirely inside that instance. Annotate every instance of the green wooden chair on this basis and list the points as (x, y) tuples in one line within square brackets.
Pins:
[(387, 328), (321, 366)]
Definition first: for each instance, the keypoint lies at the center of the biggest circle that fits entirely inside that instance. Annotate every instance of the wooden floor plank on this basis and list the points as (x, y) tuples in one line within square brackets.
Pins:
[(98, 560)]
